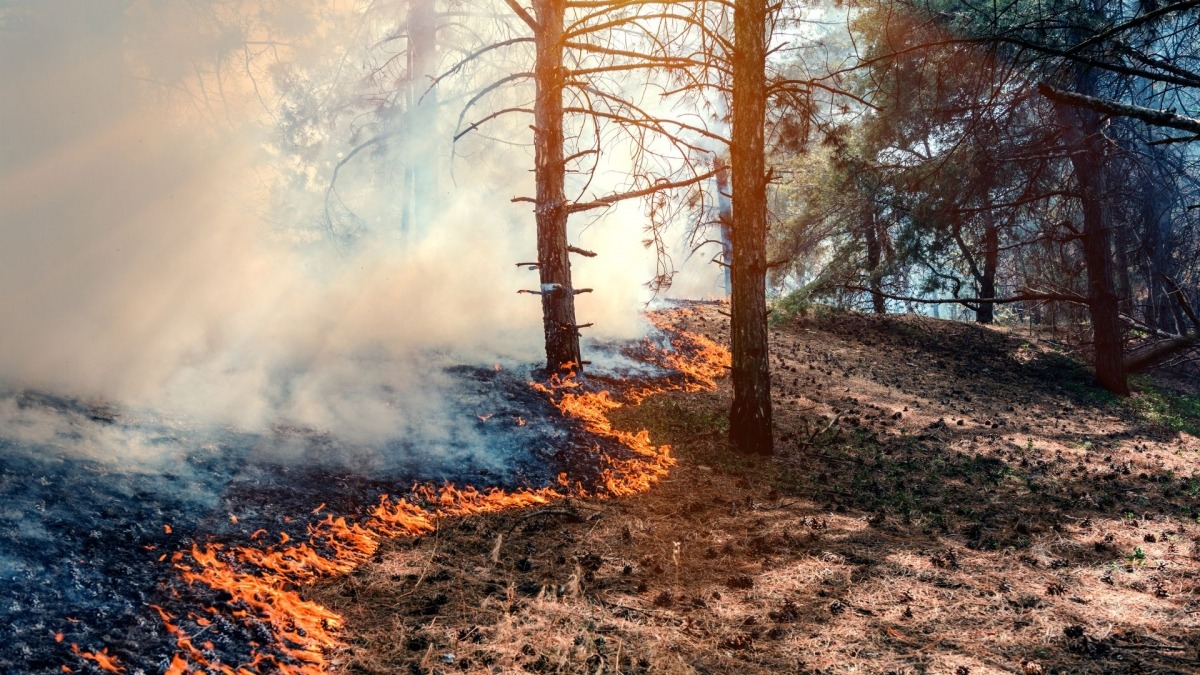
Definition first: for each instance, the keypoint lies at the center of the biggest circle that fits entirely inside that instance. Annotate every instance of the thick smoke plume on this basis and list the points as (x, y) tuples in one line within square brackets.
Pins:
[(143, 260)]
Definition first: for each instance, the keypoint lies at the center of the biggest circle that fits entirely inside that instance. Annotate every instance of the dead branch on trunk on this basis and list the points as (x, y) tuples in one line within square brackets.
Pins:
[(659, 186), (1143, 326), (1182, 299), (1158, 118), (1171, 345)]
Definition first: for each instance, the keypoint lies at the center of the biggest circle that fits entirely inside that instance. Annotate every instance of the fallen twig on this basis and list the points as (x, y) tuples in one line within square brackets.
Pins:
[(647, 612)]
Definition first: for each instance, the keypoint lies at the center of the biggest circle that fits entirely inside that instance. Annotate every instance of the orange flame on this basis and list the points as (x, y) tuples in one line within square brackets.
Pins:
[(263, 579), (103, 659)]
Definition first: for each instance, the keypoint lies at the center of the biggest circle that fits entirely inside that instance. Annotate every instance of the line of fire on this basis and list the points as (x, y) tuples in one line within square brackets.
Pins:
[(232, 600)]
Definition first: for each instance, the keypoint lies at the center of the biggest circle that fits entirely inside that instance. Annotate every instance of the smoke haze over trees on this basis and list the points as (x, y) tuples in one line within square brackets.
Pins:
[(1016, 163)]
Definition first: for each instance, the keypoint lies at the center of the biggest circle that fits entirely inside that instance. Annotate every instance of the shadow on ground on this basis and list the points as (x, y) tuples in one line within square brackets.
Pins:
[(945, 498)]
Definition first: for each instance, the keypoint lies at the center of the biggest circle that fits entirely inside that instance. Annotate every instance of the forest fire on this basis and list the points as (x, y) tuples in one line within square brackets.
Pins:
[(254, 589), (273, 296)]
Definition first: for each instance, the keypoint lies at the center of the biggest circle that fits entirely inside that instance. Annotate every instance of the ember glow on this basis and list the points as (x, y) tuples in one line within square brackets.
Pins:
[(102, 659), (260, 584)]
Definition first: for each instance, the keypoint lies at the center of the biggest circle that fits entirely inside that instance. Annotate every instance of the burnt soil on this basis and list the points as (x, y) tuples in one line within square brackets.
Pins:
[(87, 540), (944, 498)]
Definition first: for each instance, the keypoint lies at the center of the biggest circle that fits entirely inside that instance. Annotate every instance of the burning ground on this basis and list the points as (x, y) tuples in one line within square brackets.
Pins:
[(138, 543), (946, 498)]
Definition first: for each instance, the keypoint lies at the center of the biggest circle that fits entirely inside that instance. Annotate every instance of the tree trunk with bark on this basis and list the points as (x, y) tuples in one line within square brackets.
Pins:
[(554, 264), (1158, 352), (1157, 310), (421, 159), (986, 311), (750, 417), (1121, 246), (874, 258), (1083, 137)]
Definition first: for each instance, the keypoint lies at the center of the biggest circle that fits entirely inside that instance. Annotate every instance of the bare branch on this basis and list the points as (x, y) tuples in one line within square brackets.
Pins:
[(582, 153), (484, 120), (1191, 81), (785, 86), (654, 125), (473, 56), (524, 15), (1158, 118), (487, 90), (634, 194), (1134, 23), (331, 189)]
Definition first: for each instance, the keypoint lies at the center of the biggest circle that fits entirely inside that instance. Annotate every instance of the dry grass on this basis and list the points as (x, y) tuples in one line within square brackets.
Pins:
[(1053, 530)]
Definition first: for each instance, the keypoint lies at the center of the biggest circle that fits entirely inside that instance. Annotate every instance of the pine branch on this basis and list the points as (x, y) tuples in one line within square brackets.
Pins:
[(609, 200), (1158, 118)]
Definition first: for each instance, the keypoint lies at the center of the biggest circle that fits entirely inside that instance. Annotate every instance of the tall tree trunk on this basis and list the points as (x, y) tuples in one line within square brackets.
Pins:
[(1155, 262), (986, 312), (554, 264), (1150, 309), (1150, 273), (750, 416), (421, 159), (1124, 279), (1082, 132), (874, 258), (1180, 327)]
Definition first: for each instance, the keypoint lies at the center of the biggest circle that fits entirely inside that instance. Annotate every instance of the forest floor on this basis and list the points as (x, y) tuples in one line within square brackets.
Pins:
[(945, 498)]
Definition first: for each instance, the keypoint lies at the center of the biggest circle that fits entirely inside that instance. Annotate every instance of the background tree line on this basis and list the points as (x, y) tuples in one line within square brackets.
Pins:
[(1035, 156)]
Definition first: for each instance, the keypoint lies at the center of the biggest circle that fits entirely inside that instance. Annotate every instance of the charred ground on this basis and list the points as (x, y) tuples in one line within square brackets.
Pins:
[(946, 498), (89, 544)]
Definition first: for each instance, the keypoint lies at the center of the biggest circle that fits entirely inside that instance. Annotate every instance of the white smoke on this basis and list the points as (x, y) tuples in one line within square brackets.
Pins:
[(143, 259)]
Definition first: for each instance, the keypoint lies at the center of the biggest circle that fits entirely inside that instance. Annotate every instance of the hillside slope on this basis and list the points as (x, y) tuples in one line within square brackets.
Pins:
[(946, 498)]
